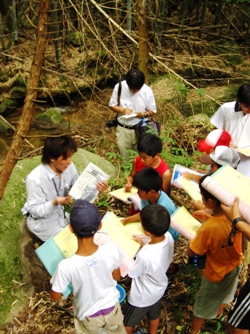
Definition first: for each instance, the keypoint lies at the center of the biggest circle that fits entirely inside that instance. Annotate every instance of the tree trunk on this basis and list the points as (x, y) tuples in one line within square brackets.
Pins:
[(28, 108), (143, 37)]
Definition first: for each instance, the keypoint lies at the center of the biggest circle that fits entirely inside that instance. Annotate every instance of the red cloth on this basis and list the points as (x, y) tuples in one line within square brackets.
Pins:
[(139, 166), (161, 169)]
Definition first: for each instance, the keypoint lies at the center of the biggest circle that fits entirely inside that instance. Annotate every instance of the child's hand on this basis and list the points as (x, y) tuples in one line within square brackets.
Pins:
[(128, 187), (197, 205), (191, 177), (139, 240), (233, 211), (202, 215)]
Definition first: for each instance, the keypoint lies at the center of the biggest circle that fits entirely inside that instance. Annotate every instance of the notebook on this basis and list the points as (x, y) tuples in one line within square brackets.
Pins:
[(225, 184), (183, 222)]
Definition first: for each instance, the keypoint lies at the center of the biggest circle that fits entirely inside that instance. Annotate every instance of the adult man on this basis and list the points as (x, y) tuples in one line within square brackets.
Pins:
[(136, 101), (48, 185), (234, 118)]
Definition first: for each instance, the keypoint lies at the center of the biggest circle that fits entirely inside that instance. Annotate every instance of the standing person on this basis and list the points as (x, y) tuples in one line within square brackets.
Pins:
[(149, 148), (223, 251), (234, 118), (48, 185), (239, 316), (136, 99), (93, 271), (149, 279)]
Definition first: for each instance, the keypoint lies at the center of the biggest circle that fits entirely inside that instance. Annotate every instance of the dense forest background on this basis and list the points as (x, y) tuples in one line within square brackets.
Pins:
[(91, 43)]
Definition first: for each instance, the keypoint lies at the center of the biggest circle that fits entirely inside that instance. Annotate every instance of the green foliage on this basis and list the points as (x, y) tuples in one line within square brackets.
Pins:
[(123, 172), (201, 92), (51, 115), (7, 106), (173, 153), (75, 38)]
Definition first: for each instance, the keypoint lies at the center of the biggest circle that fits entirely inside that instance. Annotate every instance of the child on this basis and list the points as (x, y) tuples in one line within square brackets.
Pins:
[(93, 271), (223, 262), (221, 156), (149, 279), (149, 149), (148, 182)]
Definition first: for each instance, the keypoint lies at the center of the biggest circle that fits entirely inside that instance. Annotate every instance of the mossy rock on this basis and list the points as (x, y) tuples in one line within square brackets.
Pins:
[(17, 92), (7, 107), (51, 119), (196, 107), (75, 38), (13, 266), (199, 119), (169, 89)]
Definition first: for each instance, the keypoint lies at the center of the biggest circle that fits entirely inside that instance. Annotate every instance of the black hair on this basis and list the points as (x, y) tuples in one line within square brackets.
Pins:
[(150, 144), (206, 194), (135, 79), (85, 232), (243, 94), (54, 147), (147, 179), (155, 219), (218, 165)]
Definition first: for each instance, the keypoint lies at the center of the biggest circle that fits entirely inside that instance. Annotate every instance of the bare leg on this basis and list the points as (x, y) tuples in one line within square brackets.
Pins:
[(221, 308), (129, 330), (196, 325), (153, 326), (233, 330)]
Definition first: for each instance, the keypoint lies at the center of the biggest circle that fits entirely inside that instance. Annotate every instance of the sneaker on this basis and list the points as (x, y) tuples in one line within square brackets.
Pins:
[(186, 330)]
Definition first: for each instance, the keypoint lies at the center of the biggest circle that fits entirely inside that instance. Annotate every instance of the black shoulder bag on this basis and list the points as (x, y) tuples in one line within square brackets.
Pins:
[(149, 126)]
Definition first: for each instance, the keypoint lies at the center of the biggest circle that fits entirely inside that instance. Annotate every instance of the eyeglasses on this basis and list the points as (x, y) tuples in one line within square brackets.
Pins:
[(230, 241)]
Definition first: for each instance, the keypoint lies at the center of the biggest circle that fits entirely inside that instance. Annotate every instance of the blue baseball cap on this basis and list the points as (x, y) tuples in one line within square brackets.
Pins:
[(84, 218)]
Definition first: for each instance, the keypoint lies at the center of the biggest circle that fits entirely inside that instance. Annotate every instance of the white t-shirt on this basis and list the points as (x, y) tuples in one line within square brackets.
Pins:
[(141, 101), (42, 186), (94, 288), (149, 279), (237, 125)]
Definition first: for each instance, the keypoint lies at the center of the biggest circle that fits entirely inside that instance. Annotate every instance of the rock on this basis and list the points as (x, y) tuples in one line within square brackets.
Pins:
[(51, 119), (199, 119)]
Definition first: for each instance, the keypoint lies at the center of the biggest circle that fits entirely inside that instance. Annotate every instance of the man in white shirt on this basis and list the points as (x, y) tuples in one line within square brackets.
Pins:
[(134, 102), (234, 118), (48, 186)]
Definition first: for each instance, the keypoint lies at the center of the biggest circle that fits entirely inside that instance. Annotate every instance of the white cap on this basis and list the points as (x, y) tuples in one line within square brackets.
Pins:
[(222, 155)]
